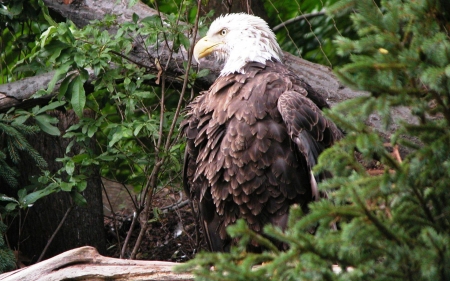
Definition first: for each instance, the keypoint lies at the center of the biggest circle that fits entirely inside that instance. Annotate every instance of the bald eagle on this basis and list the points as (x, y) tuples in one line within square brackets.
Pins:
[(254, 136)]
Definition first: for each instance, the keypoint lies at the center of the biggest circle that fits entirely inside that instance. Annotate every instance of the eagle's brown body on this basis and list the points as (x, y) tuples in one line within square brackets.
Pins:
[(252, 140)]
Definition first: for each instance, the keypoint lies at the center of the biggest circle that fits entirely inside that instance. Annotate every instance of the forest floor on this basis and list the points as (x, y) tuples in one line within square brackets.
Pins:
[(171, 236)]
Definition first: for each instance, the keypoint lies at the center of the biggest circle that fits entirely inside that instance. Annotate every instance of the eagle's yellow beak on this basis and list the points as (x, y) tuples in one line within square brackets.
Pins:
[(204, 47)]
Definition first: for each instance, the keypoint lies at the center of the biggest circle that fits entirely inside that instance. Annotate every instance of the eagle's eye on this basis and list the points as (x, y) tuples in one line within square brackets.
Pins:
[(223, 32)]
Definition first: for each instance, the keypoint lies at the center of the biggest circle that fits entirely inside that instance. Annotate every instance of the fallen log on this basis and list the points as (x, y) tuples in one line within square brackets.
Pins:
[(86, 263)]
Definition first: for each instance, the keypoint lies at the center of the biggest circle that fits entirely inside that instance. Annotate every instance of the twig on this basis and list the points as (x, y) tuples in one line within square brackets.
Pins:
[(113, 213), (54, 233), (396, 154), (196, 225), (186, 78), (136, 215), (378, 224), (130, 60), (298, 18), (176, 205)]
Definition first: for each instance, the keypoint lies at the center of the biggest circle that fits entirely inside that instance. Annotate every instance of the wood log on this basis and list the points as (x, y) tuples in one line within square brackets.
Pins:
[(86, 263)]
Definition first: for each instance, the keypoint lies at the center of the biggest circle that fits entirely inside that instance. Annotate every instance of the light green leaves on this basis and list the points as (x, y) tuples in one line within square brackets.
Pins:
[(45, 123), (78, 100)]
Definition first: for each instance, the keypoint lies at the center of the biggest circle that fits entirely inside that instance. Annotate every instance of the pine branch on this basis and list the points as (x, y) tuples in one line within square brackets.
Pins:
[(381, 227)]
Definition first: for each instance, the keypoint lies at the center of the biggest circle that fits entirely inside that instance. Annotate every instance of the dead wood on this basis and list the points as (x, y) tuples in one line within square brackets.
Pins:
[(86, 263)]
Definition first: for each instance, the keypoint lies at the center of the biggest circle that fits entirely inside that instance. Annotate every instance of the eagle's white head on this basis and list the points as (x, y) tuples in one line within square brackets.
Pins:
[(238, 39)]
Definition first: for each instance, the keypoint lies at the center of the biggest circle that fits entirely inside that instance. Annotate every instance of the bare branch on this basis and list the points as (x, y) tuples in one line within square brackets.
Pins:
[(54, 233), (298, 18)]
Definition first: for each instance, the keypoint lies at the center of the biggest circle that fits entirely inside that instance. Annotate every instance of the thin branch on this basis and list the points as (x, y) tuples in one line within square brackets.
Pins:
[(131, 60), (378, 224), (136, 215), (186, 79), (298, 18), (176, 205), (54, 233), (113, 213)]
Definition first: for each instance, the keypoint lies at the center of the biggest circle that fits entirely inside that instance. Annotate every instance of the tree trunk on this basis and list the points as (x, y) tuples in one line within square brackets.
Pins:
[(220, 7), (82, 226)]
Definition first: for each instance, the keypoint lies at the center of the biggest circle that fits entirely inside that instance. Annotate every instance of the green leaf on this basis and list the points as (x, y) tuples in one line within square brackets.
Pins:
[(185, 41), (64, 85), (46, 14), (51, 106), (22, 193), (46, 34), (153, 19), (14, 10), (44, 122), (106, 157), (11, 206), (78, 198), (81, 186), (176, 43), (21, 119), (138, 129), (69, 146), (3, 197), (80, 157), (119, 134), (31, 198), (66, 186), (79, 59), (53, 50), (202, 73), (91, 131), (59, 74), (78, 100), (135, 16), (70, 167)]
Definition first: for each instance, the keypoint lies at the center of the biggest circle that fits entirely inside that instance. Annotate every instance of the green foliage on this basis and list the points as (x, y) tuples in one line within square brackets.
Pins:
[(7, 259), (391, 226), (128, 121), (310, 38), (135, 124), (13, 142), (21, 24)]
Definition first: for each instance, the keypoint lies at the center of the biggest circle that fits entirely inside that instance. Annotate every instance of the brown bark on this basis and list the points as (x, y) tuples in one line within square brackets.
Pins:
[(86, 263), (83, 226), (220, 7)]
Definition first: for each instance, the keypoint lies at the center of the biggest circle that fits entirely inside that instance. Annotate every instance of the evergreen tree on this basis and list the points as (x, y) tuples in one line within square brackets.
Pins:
[(7, 259), (12, 141), (394, 225)]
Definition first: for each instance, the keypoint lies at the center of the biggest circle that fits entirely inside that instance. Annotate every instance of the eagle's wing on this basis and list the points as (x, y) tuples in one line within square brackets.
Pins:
[(308, 128), (198, 188)]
